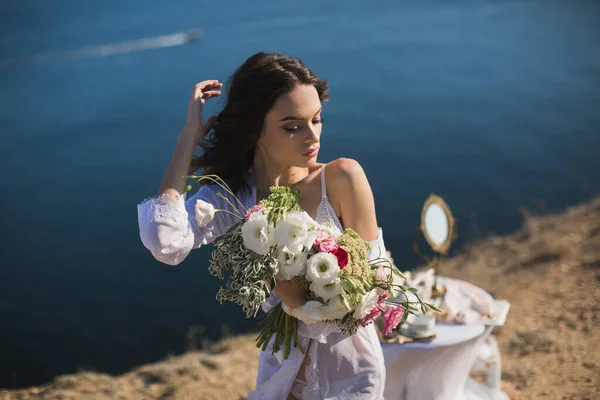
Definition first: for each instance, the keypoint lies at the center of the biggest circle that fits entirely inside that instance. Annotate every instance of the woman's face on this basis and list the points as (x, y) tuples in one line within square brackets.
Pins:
[(292, 128)]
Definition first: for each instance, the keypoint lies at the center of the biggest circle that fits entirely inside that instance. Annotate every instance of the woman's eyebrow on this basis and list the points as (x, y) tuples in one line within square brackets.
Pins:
[(294, 118)]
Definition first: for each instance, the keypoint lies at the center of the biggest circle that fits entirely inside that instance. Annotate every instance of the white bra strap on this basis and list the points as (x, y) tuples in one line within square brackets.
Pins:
[(323, 187)]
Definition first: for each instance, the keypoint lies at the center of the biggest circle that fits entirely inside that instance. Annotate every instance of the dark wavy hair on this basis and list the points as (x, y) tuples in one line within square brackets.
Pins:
[(228, 150)]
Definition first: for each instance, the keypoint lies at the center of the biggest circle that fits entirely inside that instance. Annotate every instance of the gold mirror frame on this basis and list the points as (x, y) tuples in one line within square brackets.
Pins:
[(444, 247)]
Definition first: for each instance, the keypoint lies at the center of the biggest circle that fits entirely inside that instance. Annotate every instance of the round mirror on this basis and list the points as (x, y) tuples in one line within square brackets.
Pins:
[(437, 224)]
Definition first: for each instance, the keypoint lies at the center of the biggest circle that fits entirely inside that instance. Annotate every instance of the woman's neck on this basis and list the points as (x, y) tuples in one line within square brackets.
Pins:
[(266, 173)]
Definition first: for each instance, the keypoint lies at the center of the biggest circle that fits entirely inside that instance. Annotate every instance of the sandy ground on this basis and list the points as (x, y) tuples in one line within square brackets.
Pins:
[(549, 271)]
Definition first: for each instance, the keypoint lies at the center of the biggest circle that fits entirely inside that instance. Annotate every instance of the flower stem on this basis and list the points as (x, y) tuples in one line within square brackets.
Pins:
[(296, 338), (277, 327), (228, 212), (239, 215), (286, 338), (217, 180)]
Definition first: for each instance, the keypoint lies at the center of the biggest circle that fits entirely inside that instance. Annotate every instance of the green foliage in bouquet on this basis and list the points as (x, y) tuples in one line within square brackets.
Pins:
[(281, 201), (349, 325), (248, 271), (356, 277)]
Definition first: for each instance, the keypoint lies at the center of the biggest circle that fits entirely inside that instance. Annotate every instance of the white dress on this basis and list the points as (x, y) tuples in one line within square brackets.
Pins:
[(339, 367)]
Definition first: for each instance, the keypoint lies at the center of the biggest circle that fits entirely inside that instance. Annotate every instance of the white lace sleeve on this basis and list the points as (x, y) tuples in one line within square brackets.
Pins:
[(168, 227)]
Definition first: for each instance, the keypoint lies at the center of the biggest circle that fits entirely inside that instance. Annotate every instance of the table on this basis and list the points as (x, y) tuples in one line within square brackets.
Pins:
[(439, 369)]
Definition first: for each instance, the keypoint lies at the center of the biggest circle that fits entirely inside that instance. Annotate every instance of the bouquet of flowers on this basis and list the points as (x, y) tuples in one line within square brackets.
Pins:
[(275, 240)]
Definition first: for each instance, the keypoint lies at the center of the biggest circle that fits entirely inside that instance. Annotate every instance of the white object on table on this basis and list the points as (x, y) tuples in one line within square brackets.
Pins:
[(418, 326), (439, 369)]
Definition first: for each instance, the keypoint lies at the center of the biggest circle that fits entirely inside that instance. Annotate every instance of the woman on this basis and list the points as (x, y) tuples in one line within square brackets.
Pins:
[(268, 134)]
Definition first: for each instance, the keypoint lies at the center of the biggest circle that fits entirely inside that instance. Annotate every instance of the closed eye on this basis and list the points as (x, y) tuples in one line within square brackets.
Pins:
[(296, 128)]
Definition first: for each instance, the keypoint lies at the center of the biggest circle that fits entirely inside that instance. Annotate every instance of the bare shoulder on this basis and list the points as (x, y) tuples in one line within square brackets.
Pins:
[(345, 173), (353, 196)]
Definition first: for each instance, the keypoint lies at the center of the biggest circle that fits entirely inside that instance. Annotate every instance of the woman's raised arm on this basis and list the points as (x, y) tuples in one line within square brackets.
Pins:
[(167, 222), (194, 130)]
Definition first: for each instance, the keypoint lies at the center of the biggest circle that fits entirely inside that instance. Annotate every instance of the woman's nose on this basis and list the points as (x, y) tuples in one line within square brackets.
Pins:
[(313, 134)]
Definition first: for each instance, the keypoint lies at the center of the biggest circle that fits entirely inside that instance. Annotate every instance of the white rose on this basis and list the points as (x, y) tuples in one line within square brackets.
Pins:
[(258, 234), (291, 264), (369, 301), (294, 231), (327, 290), (322, 268), (205, 212)]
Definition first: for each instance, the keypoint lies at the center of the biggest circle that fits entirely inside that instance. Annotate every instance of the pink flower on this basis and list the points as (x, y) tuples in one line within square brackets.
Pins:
[(375, 312), (325, 243), (252, 210), (380, 277), (372, 316), (381, 274), (392, 317), (322, 235)]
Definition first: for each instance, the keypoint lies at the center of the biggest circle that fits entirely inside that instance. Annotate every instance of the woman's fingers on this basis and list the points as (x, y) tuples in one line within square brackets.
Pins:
[(204, 86), (201, 92), (211, 93)]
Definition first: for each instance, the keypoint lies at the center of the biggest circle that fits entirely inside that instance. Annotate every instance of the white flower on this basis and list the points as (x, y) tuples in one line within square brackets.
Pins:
[(327, 290), (322, 268), (293, 231), (258, 234), (311, 312), (205, 212), (369, 301), (314, 311), (335, 309), (291, 264)]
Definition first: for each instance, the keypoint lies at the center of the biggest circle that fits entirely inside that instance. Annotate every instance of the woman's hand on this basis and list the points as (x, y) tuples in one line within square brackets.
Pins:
[(195, 129), (291, 293), (195, 124)]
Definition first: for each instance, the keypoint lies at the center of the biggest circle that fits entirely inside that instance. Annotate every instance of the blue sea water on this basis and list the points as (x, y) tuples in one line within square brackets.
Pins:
[(492, 105)]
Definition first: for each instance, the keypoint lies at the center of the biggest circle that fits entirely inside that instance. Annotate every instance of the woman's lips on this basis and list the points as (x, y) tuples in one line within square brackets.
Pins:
[(312, 153)]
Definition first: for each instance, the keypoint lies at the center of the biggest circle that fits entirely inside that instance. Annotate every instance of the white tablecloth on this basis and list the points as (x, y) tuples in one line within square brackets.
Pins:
[(438, 369)]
